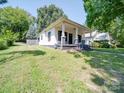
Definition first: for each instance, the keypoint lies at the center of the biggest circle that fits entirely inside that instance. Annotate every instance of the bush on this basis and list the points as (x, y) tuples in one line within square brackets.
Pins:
[(3, 44), (9, 36), (96, 45), (10, 42), (113, 46), (101, 44), (105, 44)]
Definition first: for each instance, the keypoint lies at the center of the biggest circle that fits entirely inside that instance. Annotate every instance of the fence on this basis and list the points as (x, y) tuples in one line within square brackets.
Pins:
[(32, 41)]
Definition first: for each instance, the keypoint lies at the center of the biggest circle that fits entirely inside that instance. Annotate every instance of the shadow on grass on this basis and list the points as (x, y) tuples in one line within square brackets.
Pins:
[(8, 59), (16, 54), (98, 80), (112, 64)]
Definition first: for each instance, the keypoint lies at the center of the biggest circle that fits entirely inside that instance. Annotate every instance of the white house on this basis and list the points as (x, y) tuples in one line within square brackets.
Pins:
[(63, 32), (96, 36)]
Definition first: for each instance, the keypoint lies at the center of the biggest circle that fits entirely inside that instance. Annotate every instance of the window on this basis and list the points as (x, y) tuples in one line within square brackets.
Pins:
[(49, 36), (38, 39)]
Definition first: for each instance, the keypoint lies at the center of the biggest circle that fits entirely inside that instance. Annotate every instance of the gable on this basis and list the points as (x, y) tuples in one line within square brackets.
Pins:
[(67, 21)]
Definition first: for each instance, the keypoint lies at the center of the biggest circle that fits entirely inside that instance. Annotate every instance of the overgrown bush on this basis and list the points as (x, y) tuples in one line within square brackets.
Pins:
[(96, 44), (113, 46), (7, 38), (105, 44), (3, 44), (101, 44)]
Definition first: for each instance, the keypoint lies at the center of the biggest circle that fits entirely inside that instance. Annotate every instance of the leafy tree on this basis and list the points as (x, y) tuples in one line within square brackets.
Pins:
[(47, 15), (3, 1), (16, 20), (116, 29), (106, 15), (32, 32)]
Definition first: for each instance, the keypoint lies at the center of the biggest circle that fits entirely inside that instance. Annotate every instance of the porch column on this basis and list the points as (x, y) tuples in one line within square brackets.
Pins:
[(63, 36), (40, 37), (91, 38), (83, 35), (76, 36), (83, 39)]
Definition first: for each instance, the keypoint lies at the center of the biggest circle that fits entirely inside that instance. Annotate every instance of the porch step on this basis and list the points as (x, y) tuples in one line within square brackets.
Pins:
[(68, 48)]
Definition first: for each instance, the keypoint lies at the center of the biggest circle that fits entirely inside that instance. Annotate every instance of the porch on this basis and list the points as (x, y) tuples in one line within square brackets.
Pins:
[(69, 34)]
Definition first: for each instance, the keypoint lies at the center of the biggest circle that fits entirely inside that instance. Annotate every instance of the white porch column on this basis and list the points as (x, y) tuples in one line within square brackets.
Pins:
[(76, 36), (83, 38), (63, 35), (40, 38), (83, 35), (91, 38)]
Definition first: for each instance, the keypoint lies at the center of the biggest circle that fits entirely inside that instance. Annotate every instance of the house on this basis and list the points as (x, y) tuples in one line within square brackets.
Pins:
[(96, 36), (63, 32)]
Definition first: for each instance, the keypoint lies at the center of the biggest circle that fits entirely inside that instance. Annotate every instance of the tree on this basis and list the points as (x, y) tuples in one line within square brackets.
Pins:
[(32, 32), (117, 30), (47, 15), (15, 19), (106, 15), (3, 1)]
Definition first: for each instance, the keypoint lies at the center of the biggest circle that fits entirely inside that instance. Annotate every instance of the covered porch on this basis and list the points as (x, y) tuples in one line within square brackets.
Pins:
[(69, 34)]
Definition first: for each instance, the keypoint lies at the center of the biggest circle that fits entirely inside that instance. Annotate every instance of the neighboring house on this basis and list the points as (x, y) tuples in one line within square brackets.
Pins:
[(96, 36), (63, 32)]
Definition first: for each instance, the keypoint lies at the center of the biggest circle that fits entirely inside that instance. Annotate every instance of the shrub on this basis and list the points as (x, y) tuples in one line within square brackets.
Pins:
[(101, 44), (105, 44), (113, 46), (96, 44), (9, 36), (3, 44)]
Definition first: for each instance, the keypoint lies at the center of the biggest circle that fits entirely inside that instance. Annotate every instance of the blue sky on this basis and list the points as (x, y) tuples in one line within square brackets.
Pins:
[(72, 8)]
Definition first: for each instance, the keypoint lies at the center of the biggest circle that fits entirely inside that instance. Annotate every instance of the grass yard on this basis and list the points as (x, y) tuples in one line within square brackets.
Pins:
[(36, 69), (116, 50)]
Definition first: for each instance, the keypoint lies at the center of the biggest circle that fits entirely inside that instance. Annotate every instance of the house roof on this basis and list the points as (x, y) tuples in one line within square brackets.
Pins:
[(102, 36), (66, 20), (92, 34), (98, 36)]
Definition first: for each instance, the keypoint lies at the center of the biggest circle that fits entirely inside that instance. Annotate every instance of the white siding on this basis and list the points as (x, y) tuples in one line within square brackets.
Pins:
[(44, 40)]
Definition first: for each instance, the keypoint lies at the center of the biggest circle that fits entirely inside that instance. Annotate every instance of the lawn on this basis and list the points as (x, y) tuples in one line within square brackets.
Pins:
[(36, 69), (112, 50)]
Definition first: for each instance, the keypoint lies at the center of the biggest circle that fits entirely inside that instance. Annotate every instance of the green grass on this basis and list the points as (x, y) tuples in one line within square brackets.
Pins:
[(112, 50), (36, 69), (111, 67)]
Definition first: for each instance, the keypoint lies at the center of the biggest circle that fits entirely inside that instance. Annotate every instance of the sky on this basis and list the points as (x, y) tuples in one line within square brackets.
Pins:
[(72, 8)]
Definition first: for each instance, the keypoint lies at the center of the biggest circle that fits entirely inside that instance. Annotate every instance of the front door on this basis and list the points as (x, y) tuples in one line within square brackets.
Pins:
[(70, 38)]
